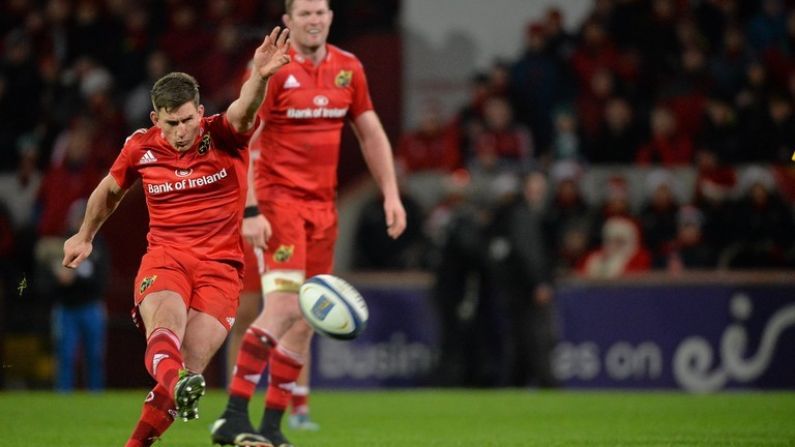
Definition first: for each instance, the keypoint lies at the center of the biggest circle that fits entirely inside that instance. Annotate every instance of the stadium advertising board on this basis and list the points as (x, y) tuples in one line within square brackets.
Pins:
[(398, 348), (700, 338), (695, 337)]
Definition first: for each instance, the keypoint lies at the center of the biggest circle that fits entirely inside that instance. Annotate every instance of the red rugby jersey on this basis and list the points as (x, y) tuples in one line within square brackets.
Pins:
[(196, 197), (303, 114)]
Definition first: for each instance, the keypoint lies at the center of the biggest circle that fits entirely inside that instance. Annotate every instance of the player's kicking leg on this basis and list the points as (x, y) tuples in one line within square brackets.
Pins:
[(164, 315)]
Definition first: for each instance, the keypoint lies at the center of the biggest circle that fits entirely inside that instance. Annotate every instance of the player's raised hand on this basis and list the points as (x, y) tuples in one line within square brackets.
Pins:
[(272, 54), (256, 230), (395, 217), (75, 250)]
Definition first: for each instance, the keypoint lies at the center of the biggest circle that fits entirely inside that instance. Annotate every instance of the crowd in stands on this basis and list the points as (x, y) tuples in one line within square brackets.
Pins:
[(662, 86)]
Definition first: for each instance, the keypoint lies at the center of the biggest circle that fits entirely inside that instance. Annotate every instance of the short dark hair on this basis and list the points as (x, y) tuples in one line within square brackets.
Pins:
[(173, 90), (288, 5)]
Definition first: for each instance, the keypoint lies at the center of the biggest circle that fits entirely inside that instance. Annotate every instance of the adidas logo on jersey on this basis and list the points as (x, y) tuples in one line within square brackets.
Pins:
[(291, 82), (147, 158)]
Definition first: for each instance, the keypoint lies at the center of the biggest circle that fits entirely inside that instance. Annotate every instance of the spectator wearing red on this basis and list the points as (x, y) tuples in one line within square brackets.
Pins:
[(503, 143), (186, 41), (686, 93), (597, 53), (667, 145), (592, 101), (70, 178), (615, 203), (431, 147), (620, 254), (222, 63)]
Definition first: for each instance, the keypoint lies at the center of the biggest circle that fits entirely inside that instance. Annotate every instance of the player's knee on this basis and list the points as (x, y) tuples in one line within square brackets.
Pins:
[(164, 309)]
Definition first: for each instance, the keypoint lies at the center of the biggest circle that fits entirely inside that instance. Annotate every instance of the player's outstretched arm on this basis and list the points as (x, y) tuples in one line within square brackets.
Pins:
[(268, 59), (101, 204), (378, 155)]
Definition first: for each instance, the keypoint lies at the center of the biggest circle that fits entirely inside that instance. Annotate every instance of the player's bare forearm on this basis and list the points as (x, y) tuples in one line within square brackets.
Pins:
[(267, 60), (377, 152), (378, 155), (101, 204), (242, 113)]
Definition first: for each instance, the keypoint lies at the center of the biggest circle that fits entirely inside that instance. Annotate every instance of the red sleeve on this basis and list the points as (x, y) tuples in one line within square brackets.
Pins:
[(225, 136), (361, 93), (123, 169)]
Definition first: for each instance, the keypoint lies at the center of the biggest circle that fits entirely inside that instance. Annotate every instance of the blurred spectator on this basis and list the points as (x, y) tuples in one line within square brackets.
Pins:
[(768, 28), (185, 40), (720, 132), (658, 217), (138, 103), (560, 43), (615, 202), (592, 101), (538, 82), (70, 177), (519, 251), (713, 16), (566, 143), (499, 78), (619, 137), (714, 185), (375, 250), (751, 105), (225, 60), (432, 146), (621, 252), (78, 317), (468, 324), (689, 250), (667, 145), (763, 225), (18, 189), (596, 53), (686, 94), (469, 118), (19, 79), (659, 38), (776, 141), (569, 217), (94, 34), (503, 143), (137, 43), (728, 67)]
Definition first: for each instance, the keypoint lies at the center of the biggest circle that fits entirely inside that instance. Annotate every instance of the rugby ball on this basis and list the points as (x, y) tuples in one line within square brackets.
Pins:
[(333, 307)]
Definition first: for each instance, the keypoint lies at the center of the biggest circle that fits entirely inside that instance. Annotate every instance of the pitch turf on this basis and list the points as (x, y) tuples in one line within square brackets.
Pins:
[(433, 418)]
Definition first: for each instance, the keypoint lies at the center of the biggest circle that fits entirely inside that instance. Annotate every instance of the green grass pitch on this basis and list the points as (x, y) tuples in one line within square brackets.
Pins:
[(432, 418)]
